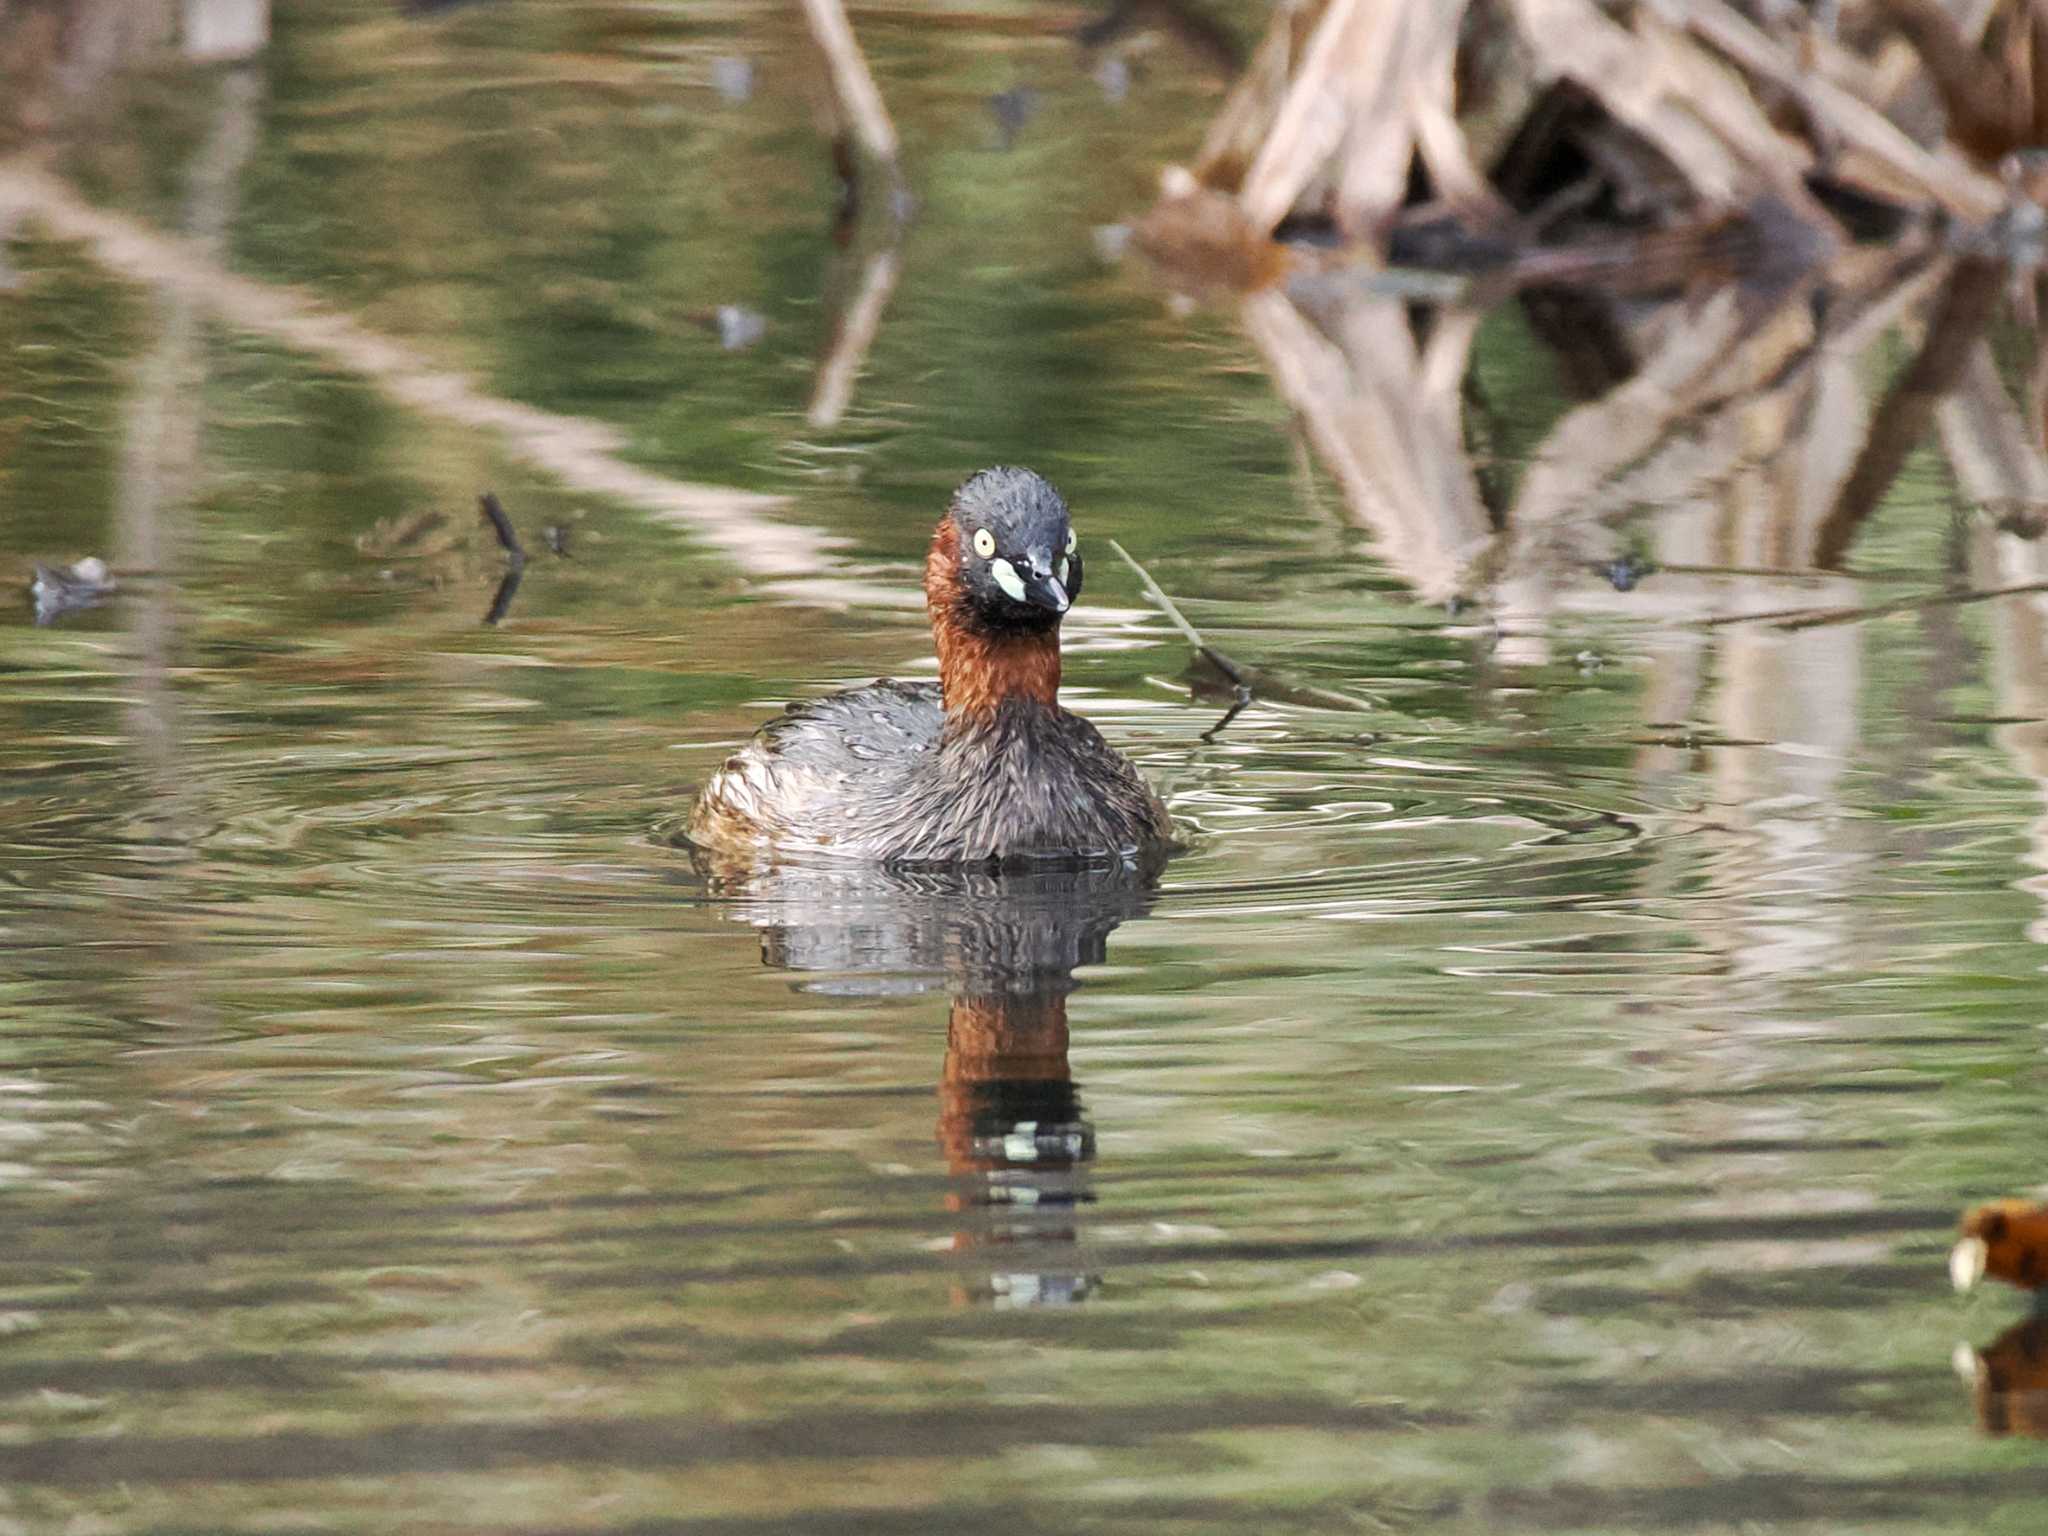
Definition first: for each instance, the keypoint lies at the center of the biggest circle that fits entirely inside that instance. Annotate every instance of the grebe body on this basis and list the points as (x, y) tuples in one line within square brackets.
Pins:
[(982, 767)]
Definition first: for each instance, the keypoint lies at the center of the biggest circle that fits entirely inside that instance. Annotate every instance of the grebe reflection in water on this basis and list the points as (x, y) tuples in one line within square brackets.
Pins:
[(1005, 946)]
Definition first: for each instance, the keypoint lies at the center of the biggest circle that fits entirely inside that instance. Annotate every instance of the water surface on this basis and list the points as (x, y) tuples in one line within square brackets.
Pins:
[(1538, 1100)]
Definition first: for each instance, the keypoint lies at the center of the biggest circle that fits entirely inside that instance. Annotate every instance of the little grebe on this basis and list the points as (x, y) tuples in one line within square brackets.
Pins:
[(982, 767)]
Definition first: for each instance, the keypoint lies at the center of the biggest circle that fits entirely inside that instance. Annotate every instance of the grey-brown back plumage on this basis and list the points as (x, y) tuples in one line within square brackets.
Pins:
[(881, 773)]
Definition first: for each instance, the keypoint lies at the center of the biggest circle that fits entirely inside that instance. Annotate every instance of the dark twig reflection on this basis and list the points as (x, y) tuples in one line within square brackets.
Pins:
[(515, 556), (507, 590), (1011, 1125), (1961, 315)]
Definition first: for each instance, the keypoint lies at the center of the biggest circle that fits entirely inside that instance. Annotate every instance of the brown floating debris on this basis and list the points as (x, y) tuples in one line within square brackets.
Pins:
[(2003, 1240), (1207, 239)]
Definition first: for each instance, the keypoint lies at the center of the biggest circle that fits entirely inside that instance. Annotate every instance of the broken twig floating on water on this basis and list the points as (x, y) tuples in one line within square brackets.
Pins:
[(515, 557), (1175, 617), (1245, 682), (1238, 678)]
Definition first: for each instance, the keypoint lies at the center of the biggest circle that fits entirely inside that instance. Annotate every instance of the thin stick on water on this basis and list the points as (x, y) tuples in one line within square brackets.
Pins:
[(1237, 675), (1243, 680), (515, 556), (1816, 618), (501, 525), (1240, 685)]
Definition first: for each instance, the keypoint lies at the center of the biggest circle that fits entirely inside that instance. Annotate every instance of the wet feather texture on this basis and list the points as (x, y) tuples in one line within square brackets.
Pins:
[(982, 767)]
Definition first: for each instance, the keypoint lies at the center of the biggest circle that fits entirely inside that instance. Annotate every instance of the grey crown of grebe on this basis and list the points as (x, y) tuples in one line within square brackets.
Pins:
[(983, 766)]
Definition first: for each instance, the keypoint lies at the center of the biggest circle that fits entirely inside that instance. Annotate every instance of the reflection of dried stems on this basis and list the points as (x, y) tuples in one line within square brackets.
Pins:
[(852, 335), (1734, 397), (1960, 317), (159, 475), (1385, 416), (853, 87), (1999, 462), (859, 104), (1719, 387), (792, 561)]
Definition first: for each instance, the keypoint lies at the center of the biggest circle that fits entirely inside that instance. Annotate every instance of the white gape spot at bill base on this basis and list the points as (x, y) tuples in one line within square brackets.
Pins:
[(1007, 578)]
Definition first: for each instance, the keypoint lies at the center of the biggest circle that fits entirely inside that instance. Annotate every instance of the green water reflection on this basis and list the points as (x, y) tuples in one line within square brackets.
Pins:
[(1538, 1101)]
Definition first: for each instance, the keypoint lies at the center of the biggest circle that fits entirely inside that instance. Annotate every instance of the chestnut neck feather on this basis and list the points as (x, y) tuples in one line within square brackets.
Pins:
[(977, 670)]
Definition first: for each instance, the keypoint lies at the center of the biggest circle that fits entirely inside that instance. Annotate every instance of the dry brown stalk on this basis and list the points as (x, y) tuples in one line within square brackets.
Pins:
[(1347, 66), (1995, 101), (1239, 128), (1342, 95), (1636, 79), (1433, 115), (1872, 150)]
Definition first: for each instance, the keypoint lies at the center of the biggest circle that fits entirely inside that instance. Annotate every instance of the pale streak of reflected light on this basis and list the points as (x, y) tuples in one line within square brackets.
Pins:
[(1999, 463), (790, 562)]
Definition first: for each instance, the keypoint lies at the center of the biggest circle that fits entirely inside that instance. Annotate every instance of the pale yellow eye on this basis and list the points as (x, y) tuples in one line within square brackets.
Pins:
[(984, 543), (1073, 542)]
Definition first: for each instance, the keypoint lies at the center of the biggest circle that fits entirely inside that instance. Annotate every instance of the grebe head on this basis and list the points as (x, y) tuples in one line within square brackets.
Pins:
[(1018, 567)]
